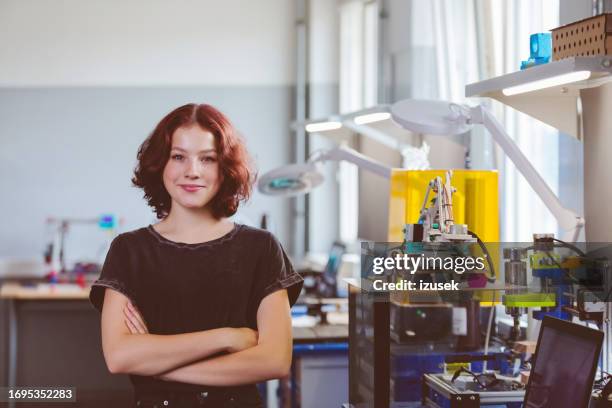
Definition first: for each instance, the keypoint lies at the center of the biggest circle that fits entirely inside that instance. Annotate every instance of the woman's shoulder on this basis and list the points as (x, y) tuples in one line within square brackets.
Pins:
[(262, 242), (254, 233), (131, 237)]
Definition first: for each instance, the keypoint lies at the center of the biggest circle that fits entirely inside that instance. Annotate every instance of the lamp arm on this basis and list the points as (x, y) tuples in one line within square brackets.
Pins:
[(568, 220), (353, 156)]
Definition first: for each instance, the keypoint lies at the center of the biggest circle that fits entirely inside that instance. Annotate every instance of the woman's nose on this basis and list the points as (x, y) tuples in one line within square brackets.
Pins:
[(193, 169)]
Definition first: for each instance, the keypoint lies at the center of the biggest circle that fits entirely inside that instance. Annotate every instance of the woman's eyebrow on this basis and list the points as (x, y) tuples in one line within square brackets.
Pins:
[(201, 151)]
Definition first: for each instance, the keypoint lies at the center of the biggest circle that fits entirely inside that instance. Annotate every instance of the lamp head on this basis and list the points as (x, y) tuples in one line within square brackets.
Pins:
[(431, 117), (290, 180)]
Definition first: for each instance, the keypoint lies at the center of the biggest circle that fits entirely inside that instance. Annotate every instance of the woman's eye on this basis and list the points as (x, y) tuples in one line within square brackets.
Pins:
[(209, 159), (177, 157)]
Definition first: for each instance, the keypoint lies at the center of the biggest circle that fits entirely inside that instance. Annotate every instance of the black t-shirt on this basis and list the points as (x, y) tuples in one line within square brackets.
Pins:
[(182, 288)]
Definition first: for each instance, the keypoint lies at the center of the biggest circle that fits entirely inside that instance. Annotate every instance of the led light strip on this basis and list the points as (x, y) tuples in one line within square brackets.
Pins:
[(371, 117), (322, 126), (547, 83)]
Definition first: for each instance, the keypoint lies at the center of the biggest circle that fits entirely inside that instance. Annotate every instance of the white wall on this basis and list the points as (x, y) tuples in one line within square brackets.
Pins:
[(324, 45), (323, 73), (574, 10), (152, 42), (70, 152), (83, 83)]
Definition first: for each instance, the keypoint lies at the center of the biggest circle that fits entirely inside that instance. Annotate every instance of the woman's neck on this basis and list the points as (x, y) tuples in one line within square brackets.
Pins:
[(189, 226)]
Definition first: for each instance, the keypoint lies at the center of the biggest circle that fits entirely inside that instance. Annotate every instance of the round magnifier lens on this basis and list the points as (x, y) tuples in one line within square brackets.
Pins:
[(285, 184)]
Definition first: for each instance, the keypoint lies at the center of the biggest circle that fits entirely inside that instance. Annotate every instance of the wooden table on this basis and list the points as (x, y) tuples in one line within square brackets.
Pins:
[(44, 291)]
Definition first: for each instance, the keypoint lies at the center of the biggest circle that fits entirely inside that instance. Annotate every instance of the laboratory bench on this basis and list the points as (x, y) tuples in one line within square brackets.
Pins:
[(53, 339)]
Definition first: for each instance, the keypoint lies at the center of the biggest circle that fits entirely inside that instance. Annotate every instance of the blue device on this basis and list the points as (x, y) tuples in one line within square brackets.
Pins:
[(540, 50)]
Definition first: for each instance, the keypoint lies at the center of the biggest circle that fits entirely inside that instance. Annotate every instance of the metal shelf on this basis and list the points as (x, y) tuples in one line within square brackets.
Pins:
[(558, 106)]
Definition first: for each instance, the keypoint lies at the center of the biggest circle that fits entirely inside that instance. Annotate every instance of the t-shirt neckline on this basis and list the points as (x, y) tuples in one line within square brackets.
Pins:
[(160, 238)]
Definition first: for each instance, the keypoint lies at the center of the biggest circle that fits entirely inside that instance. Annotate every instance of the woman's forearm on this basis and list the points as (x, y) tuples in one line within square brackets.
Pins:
[(153, 354), (270, 358), (259, 363)]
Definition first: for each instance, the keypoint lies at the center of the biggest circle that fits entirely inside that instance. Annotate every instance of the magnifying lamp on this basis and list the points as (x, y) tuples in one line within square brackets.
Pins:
[(445, 118), (291, 180), (295, 179)]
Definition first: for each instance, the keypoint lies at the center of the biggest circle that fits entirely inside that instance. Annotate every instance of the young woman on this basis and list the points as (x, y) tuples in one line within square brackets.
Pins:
[(196, 308)]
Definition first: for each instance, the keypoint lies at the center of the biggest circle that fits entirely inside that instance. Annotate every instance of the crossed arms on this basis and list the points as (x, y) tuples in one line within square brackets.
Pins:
[(253, 356)]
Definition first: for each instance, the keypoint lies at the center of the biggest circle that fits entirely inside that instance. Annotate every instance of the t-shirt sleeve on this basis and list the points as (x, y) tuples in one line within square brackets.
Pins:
[(275, 272), (115, 274)]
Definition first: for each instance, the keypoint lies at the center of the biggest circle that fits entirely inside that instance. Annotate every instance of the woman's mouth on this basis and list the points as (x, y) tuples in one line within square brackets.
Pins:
[(191, 188)]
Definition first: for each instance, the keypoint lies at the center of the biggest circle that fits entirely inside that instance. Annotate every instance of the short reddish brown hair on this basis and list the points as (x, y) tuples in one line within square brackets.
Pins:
[(237, 175)]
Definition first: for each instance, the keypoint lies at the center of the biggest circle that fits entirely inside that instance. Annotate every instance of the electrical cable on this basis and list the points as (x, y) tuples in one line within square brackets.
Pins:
[(493, 275), (488, 336), (572, 277), (553, 260), (484, 380), (572, 247), (492, 278)]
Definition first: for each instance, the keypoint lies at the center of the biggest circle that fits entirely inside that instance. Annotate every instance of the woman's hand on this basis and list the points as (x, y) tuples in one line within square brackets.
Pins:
[(238, 338), (133, 320), (241, 338)]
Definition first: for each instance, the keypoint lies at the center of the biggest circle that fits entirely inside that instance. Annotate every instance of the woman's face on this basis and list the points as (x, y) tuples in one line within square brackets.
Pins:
[(191, 175)]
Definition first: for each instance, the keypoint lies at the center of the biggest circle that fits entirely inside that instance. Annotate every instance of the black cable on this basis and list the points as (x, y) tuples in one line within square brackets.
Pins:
[(553, 259), (482, 246), (572, 247), (572, 277), (484, 380)]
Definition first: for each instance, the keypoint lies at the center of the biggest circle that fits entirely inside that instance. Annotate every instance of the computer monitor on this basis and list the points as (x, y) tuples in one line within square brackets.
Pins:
[(328, 285), (563, 366)]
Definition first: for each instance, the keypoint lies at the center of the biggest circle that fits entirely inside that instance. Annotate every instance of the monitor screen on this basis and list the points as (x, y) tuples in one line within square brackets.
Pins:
[(333, 262), (328, 285), (564, 365)]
